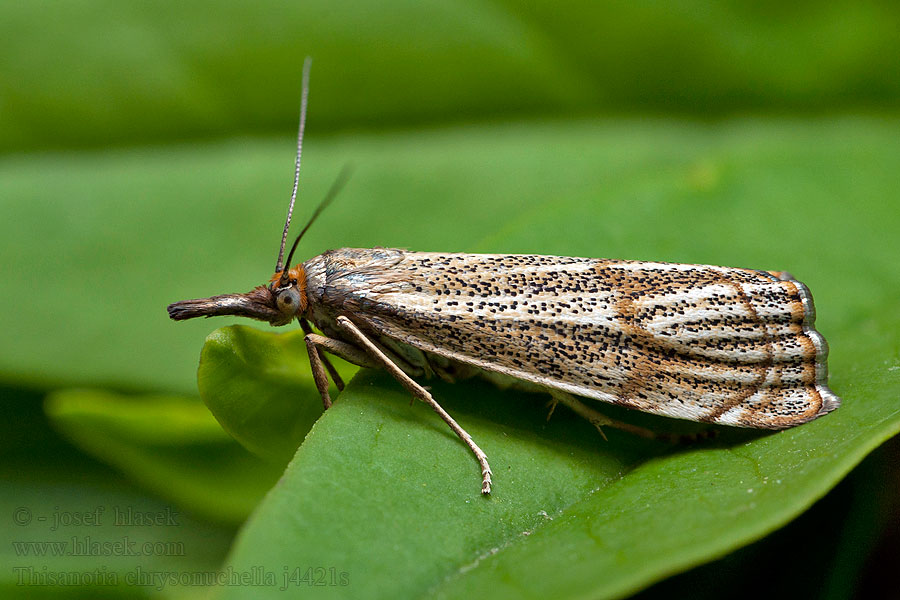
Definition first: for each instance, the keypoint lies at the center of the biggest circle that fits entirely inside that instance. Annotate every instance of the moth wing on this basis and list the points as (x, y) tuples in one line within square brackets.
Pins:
[(703, 343)]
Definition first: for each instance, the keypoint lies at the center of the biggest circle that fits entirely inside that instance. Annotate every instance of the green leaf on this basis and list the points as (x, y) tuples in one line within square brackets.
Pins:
[(170, 445), (814, 197), (61, 530), (101, 539), (96, 243), (83, 75), (256, 384), (379, 484)]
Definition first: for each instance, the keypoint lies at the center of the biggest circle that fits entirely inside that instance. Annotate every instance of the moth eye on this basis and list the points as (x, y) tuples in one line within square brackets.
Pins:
[(288, 300)]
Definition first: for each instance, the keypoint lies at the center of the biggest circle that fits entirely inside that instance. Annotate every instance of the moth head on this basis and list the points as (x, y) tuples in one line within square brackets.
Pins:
[(288, 289), (278, 303), (284, 299)]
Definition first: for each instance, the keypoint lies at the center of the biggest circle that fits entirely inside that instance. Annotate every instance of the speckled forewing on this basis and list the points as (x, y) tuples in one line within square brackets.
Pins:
[(704, 343)]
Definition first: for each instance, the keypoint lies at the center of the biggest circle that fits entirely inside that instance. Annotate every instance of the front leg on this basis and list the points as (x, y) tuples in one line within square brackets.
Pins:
[(335, 376), (315, 344), (421, 393)]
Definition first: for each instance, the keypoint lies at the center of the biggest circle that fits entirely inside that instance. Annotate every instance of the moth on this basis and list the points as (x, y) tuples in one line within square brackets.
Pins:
[(704, 343)]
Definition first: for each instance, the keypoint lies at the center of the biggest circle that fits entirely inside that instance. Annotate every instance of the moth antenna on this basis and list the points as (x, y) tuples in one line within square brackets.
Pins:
[(332, 193), (304, 95)]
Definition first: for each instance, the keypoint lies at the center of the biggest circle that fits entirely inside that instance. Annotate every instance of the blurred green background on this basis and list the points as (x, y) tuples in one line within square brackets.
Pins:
[(146, 154)]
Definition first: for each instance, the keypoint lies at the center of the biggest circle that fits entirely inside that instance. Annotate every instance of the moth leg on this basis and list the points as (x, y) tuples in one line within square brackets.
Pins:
[(422, 394), (335, 376), (596, 418), (316, 343), (552, 406), (599, 420)]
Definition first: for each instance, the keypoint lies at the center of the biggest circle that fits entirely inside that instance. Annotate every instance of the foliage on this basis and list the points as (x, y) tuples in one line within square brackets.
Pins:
[(501, 128)]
